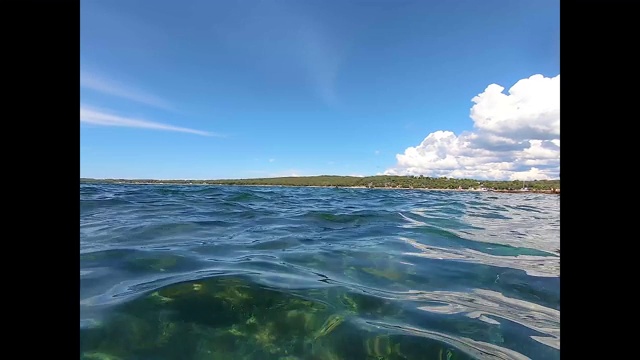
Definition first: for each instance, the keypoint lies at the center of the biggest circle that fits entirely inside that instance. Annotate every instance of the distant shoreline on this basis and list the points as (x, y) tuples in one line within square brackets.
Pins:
[(226, 183)]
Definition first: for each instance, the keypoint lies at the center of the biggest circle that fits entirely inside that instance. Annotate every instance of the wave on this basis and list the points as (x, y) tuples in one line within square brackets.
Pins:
[(270, 272)]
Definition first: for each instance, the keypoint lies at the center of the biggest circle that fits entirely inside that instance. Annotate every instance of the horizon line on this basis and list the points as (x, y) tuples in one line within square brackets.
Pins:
[(308, 176)]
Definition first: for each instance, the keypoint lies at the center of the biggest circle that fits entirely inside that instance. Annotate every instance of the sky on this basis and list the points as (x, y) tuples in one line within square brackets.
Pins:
[(200, 89)]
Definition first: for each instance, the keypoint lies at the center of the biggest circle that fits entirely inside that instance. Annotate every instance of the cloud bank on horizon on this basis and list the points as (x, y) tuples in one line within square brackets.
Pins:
[(516, 136)]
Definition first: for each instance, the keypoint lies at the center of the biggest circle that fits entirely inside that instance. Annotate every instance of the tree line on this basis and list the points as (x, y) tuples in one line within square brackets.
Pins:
[(380, 181)]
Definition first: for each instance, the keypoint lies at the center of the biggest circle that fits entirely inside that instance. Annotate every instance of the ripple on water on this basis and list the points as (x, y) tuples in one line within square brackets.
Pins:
[(174, 272)]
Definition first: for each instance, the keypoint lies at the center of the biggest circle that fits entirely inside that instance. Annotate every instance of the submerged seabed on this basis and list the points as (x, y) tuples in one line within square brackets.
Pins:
[(214, 272)]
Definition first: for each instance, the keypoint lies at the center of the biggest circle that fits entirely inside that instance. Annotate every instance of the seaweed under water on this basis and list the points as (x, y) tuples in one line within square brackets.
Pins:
[(229, 318)]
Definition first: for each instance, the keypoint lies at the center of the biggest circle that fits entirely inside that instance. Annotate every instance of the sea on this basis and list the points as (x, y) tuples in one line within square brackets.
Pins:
[(241, 272)]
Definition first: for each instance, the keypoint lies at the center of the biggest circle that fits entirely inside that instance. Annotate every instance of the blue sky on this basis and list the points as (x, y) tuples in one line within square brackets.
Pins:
[(238, 89)]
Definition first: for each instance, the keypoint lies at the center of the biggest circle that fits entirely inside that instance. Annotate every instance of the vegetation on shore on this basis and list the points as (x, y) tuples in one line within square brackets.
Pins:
[(380, 181)]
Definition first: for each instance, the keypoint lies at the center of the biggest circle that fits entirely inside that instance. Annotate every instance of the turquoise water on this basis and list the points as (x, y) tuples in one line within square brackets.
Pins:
[(214, 272)]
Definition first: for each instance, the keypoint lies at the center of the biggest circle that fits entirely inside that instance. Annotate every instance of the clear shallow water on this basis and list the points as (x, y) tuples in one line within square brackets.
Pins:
[(214, 272)]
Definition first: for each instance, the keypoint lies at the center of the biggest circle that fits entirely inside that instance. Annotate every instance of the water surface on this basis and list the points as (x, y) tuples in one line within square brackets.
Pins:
[(215, 272)]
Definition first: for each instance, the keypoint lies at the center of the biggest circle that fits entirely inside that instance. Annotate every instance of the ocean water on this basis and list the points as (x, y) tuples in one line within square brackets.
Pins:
[(222, 272)]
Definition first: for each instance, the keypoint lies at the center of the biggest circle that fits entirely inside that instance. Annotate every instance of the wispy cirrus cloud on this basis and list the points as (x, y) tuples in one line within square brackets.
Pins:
[(101, 83), (99, 117), (307, 44)]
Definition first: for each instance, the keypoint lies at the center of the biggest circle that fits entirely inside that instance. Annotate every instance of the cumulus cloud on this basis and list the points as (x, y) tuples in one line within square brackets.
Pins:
[(97, 117), (531, 110), (516, 136)]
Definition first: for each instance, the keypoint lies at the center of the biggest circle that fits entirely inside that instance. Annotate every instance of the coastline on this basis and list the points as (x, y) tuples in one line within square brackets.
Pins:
[(548, 192)]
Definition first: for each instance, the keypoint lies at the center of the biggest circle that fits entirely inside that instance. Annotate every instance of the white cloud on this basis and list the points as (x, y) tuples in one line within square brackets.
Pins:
[(531, 110), (516, 136), (541, 150), (95, 82), (531, 174), (272, 160), (97, 117), (377, 152), (288, 173)]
